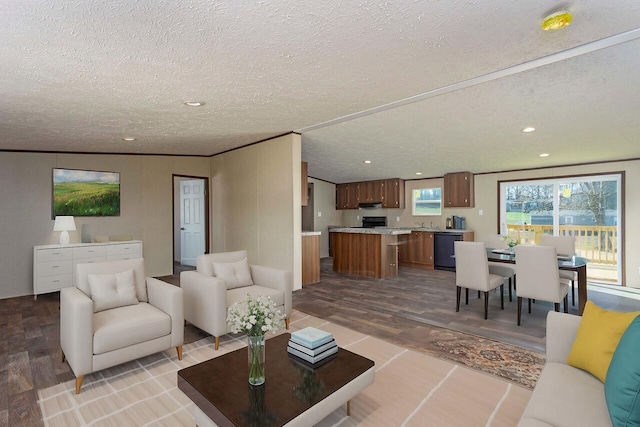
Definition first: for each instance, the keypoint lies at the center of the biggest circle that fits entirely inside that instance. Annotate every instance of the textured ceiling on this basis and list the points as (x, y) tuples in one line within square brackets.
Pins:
[(80, 76)]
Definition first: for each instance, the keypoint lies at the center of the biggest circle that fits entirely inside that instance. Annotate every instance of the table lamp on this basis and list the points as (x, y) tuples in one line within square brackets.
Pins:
[(64, 224)]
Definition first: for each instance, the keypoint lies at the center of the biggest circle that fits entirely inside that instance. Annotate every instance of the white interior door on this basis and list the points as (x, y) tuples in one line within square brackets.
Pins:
[(192, 226)]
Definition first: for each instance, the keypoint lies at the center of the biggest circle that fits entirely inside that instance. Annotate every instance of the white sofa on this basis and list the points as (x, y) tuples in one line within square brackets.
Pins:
[(207, 299), (92, 341), (565, 396)]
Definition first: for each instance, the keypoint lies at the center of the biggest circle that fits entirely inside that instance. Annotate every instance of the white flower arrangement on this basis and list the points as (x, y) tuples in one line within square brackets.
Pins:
[(255, 317), (510, 241)]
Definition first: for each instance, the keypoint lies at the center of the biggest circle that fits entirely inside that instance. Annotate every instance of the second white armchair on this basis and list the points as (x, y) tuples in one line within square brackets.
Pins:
[(221, 280)]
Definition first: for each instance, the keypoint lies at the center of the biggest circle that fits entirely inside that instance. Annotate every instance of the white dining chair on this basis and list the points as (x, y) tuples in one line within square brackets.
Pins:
[(508, 271), (472, 272), (538, 278), (565, 246)]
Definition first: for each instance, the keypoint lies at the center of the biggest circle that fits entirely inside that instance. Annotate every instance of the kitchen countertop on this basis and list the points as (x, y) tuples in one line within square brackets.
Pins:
[(392, 230), (311, 233), (385, 231)]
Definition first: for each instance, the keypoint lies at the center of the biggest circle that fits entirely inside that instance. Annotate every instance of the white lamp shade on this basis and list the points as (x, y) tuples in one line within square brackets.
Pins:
[(64, 223)]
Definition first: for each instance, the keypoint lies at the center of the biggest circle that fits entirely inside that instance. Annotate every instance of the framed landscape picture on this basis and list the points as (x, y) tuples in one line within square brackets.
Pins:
[(85, 193)]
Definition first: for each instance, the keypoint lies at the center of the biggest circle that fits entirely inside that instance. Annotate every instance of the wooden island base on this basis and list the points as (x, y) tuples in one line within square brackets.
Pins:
[(364, 254)]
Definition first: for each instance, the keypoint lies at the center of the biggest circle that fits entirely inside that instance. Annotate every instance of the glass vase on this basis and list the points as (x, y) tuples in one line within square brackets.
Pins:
[(256, 359)]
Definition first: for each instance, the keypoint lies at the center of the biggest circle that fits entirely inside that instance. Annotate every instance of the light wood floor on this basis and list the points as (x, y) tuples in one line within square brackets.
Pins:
[(401, 310)]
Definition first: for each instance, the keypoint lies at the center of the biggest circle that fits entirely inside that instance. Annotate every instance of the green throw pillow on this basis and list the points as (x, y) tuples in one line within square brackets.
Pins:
[(622, 384)]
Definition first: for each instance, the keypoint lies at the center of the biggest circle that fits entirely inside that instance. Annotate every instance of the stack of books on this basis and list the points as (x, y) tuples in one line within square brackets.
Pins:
[(312, 345)]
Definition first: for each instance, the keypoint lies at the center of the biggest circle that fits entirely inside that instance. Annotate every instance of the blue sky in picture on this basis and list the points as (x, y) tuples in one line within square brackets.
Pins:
[(72, 175)]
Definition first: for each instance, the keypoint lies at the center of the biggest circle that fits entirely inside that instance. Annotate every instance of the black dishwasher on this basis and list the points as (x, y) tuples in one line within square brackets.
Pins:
[(443, 250)]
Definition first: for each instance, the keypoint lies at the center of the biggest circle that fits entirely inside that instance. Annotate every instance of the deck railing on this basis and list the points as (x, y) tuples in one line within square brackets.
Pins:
[(596, 243)]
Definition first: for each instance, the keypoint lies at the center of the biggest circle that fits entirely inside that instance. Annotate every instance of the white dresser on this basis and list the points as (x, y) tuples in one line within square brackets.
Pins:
[(54, 266)]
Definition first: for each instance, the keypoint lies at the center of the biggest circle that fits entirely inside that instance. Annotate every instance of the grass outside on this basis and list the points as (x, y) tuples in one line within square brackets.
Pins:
[(86, 199), (518, 218), (427, 211)]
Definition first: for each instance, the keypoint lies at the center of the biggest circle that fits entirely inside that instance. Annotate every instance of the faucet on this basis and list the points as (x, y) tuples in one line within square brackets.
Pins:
[(421, 224)]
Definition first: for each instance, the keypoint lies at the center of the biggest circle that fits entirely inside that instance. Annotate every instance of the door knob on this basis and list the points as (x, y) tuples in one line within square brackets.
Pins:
[(182, 228)]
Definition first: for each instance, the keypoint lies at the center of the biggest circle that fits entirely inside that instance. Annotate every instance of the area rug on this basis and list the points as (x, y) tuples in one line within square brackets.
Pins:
[(411, 389), (506, 361)]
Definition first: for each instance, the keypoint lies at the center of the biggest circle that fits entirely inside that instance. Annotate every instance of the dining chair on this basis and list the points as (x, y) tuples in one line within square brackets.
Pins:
[(565, 245), (508, 271), (472, 272), (538, 278)]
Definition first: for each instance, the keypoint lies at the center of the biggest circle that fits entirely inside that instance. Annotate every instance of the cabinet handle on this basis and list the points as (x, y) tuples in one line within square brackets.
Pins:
[(55, 281), (56, 253), (55, 266)]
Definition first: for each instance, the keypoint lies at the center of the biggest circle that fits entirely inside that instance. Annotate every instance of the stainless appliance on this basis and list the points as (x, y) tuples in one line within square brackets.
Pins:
[(458, 222), (374, 221)]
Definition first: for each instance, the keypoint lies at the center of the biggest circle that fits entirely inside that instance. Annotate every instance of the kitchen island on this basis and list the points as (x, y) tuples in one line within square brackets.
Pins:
[(368, 252)]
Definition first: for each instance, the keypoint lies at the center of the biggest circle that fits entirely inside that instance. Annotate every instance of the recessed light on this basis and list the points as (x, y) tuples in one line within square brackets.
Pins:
[(528, 129), (543, 155), (367, 162), (418, 173), (193, 103), (557, 20), (128, 139)]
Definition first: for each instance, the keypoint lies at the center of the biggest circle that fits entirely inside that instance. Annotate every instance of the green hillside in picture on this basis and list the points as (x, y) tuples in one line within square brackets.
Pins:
[(86, 199)]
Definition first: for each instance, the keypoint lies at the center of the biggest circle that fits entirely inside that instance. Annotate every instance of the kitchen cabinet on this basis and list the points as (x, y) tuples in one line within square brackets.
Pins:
[(310, 258), (347, 196), (370, 191), (416, 250), (458, 190), (304, 183), (389, 192), (393, 193), (363, 254)]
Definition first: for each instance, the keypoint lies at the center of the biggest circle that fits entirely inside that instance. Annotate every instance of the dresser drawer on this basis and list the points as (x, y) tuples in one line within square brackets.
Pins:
[(54, 283), (46, 255), (130, 250), (54, 268), (86, 261), (89, 252)]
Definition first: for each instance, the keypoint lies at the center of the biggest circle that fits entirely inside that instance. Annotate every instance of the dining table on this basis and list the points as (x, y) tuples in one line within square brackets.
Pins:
[(565, 262)]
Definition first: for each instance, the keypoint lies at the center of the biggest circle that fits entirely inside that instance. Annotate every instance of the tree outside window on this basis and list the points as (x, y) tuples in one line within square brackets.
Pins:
[(427, 202)]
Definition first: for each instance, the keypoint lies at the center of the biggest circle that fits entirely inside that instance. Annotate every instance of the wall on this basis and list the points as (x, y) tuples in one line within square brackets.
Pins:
[(255, 203), (324, 203), (145, 208)]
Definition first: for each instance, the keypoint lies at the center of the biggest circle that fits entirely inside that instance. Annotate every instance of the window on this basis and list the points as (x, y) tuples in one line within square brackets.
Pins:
[(427, 201), (584, 207)]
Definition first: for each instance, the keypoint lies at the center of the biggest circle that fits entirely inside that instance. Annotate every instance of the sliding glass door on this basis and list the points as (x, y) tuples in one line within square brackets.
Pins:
[(586, 207)]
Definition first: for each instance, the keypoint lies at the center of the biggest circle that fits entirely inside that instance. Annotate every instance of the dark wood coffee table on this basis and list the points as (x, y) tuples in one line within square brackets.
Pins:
[(292, 394)]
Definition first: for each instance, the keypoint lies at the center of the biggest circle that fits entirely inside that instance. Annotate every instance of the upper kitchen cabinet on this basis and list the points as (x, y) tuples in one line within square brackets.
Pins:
[(393, 193), (458, 190), (389, 192), (370, 191), (347, 196), (304, 175)]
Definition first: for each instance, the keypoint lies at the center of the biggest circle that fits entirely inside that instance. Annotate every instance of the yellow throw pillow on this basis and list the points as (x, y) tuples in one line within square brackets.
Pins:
[(598, 336)]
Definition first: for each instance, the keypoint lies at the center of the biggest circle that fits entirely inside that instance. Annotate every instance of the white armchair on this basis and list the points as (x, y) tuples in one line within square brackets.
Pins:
[(222, 279), (116, 314)]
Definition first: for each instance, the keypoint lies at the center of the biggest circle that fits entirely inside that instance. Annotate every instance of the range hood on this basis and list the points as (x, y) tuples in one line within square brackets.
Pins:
[(375, 205)]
